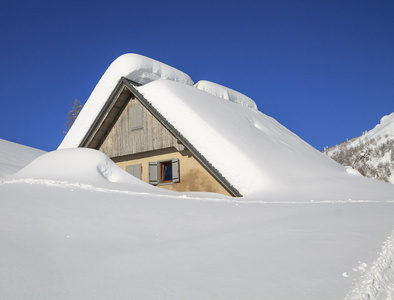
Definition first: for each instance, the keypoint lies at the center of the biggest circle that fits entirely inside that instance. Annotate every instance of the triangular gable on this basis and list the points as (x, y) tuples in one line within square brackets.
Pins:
[(112, 111)]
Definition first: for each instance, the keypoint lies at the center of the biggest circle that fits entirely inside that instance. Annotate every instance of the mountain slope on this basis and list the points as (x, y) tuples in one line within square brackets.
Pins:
[(372, 154), (14, 157)]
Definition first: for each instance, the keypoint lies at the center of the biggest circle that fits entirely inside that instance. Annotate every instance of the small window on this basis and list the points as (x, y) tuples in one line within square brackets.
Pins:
[(136, 117), (164, 172)]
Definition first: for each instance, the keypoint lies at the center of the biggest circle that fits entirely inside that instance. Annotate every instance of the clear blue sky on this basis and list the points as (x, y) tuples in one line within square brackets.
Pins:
[(323, 69)]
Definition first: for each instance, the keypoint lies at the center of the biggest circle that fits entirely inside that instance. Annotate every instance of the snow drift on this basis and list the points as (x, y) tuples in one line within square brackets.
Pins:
[(81, 166), (225, 93)]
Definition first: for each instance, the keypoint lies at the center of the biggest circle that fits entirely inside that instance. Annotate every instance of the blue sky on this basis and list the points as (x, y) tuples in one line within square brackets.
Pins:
[(323, 69)]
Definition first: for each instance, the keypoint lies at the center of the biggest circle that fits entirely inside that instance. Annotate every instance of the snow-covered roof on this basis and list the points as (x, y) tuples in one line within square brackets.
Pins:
[(135, 67), (252, 151), (225, 93)]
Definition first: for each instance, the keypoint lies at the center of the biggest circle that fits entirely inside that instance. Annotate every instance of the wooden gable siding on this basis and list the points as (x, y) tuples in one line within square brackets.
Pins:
[(103, 124), (124, 140)]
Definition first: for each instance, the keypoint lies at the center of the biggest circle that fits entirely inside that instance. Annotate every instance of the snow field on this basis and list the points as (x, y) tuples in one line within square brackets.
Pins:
[(68, 242)]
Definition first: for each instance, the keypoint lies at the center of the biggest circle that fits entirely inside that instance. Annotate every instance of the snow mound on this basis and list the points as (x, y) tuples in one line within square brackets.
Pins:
[(135, 67), (14, 157), (81, 165), (352, 171), (225, 93)]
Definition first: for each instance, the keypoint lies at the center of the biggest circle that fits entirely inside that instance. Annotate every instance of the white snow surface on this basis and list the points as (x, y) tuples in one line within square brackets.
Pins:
[(83, 166), (73, 225), (253, 151), (86, 169), (135, 67), (14, 157), (225, 93)]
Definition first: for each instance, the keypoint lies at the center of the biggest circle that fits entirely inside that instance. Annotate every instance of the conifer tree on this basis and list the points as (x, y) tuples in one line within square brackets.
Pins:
[(72, 114)]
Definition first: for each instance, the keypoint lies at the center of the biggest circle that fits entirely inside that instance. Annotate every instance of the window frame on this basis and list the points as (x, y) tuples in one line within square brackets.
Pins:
[(156, 171), (163, 165)]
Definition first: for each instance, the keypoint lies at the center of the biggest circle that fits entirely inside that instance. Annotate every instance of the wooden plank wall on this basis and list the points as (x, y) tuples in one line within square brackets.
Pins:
[(122, 140)]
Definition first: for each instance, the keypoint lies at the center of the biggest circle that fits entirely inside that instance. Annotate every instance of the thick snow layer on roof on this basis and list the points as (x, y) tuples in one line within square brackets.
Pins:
[(253, 151), (14, 157), (225, 93), (135, 67)]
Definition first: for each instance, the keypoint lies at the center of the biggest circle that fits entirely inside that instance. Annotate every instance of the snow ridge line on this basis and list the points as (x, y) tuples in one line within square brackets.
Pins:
[(378, 281), (89, 187)]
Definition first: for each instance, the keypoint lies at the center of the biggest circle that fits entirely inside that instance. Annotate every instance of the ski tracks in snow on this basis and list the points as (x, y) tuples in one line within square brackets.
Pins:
[(378, 281)]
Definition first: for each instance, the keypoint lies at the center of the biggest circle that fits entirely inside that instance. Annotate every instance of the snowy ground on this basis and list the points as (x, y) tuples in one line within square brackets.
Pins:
[(107, 235), (68, 242)]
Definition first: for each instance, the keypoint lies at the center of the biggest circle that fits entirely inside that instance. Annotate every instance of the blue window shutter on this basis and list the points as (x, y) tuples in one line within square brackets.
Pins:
[(153, 173), (175, 170)]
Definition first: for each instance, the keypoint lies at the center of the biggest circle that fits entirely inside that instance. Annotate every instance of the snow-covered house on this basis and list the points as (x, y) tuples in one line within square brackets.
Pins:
[(135, 135), (155, 123)]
